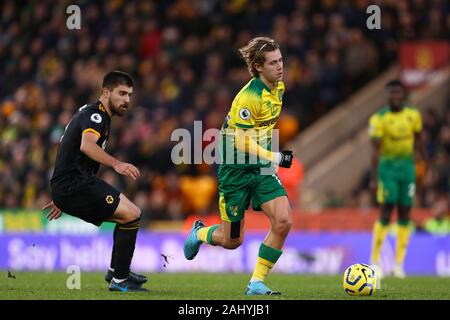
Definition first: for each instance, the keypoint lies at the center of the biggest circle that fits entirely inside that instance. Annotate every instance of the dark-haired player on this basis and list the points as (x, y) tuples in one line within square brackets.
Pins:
[(76, 190), (394, 131)]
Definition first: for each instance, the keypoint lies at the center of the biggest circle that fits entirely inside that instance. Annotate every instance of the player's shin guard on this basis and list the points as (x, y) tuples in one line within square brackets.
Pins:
[(380, 231), (205, 234), (402, 241), (124, 248), (267, 258)]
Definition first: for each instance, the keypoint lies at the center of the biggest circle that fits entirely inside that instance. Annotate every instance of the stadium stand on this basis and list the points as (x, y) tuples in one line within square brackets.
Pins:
[(186, 68)]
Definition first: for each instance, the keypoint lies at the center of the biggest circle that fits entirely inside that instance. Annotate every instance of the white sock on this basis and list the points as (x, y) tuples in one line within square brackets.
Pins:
[(118, 280), (255, 280), (111, 269)]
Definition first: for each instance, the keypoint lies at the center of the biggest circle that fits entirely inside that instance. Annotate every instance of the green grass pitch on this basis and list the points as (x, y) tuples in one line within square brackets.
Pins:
[(172, 286)]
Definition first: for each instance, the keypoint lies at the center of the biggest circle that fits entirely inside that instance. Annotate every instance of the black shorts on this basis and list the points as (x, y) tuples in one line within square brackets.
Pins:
[(93, 200)]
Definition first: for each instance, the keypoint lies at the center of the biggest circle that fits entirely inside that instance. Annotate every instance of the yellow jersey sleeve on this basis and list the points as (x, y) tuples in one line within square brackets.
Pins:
[(375, 127), (245, 110), (417, 124)]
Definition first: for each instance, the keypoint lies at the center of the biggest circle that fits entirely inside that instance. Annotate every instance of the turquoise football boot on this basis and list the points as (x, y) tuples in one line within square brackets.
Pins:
[(259, 288), (192, 244), (126, 286)]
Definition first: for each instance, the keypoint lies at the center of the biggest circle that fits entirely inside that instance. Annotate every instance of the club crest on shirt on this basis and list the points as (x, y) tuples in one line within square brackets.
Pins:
[(234, 210), (109, 199), (272, 107)]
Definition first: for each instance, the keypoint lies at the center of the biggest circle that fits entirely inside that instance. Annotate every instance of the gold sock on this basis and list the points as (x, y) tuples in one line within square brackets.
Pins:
[(205, 234), (402, 243), (379, 234), (267, 258), (262, 269)]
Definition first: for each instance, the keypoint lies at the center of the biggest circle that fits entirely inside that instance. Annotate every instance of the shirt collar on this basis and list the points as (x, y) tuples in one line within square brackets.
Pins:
[(262, 84)]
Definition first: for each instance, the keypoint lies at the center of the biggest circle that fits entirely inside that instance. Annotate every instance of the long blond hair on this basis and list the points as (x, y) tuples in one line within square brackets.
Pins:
[(253, 52)]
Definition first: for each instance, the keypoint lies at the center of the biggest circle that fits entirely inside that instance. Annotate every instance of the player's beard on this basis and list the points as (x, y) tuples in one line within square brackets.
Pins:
[(118, 110), (396, 104)]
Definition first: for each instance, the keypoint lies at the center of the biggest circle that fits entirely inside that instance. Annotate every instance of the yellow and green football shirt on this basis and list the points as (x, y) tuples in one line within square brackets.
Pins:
[(396, 172), (255, 109), (396, 131)]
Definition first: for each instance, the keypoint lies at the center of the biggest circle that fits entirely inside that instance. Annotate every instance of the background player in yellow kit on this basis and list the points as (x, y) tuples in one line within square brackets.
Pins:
[(246, 172), (394, 131)]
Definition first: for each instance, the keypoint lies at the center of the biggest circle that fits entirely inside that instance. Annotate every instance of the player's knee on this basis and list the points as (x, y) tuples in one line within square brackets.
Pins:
[(137, 212), (232, 243), (403, 213), (134, 213), (385, 217), (282, 225), (386, 210), (385, 220)]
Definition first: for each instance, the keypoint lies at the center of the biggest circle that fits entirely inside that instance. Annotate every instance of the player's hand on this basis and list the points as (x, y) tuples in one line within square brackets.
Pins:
[(54, 213), (286, 158), (127, 169)]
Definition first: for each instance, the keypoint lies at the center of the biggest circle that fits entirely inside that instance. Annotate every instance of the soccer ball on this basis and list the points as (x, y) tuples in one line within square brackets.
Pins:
[(360, 280)]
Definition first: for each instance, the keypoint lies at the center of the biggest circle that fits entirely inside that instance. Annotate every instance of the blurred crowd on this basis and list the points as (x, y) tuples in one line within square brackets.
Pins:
[(182, 55)]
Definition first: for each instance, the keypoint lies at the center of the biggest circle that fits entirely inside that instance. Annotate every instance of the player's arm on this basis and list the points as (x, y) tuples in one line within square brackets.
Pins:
[(246, 143), (419, 146), (245, 116), (376, 135), (376, 152), (419, 143), (91, 149)]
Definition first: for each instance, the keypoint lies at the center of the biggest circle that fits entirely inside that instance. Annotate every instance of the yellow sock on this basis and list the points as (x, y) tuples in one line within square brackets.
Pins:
[(262, 269), (402, 243), (267, 258), (380, 232), (205, 234)]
